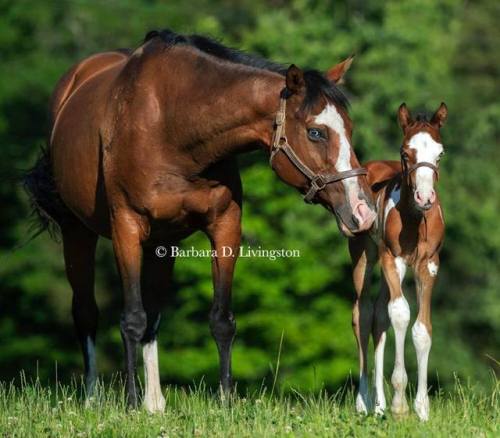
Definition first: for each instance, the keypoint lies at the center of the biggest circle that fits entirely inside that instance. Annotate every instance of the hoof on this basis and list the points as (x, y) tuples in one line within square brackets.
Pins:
[(421, 406), (399, 407), (154, 405), (380, 408), (361, 406)]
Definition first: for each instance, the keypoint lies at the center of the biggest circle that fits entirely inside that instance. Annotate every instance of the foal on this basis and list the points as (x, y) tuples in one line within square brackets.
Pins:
[(409, 232)]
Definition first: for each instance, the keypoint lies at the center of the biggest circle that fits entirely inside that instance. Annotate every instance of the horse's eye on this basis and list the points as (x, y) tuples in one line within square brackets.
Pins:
[(315, 134), (405, 156)]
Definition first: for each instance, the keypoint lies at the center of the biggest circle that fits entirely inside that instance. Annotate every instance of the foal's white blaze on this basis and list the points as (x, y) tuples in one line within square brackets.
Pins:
[(432, 268), (153, 397), (331, 118), (422, 342), (427, 149)]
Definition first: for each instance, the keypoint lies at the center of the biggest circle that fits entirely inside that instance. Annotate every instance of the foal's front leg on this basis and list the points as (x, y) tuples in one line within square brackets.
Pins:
[(425, 276), (394, 269), (225, 236)]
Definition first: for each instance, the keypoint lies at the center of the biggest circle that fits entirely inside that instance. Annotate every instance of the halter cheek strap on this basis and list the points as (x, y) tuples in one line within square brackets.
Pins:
[(317, 182)]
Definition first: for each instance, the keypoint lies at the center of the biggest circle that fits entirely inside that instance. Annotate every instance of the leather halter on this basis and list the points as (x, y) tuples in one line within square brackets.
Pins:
[(317, 181), (421, 164)]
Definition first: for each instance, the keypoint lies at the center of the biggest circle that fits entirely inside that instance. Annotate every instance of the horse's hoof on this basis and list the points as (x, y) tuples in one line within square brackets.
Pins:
[(361, 407), (421, 406), (154, 405), (399, 407)]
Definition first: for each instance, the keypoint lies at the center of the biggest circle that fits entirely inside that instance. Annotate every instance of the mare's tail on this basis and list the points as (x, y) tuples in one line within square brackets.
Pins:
[(48, 210)]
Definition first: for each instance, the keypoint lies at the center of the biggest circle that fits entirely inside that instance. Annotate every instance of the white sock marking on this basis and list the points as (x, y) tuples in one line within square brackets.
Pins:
[(380, 403), (362, 397), (422, 342), (92, 371), (153, 397), (399, 313)]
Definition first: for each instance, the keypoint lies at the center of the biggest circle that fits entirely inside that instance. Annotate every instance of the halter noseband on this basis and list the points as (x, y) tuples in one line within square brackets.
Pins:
[(411, 169), (317, 181)]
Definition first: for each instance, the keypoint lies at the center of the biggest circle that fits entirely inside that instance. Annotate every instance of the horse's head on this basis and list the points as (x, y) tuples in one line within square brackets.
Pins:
[(312, 147), (420, 153)]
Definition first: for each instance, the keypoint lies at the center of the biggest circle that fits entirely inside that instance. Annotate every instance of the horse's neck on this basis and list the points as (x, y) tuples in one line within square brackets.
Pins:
[(229, 110)]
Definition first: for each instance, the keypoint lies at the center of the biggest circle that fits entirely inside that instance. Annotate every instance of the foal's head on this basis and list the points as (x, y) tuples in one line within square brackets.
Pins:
[(318, 132), (420, 153)]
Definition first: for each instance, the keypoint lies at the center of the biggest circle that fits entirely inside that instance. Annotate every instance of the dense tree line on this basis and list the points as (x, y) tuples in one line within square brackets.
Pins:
[(422, 52)]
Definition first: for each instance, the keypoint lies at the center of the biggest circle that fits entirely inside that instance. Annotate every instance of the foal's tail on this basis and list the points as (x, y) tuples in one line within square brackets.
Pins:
[(48, 210)]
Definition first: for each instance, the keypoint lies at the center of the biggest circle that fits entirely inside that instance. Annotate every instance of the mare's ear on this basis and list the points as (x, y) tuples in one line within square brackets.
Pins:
[(294, 79), (440, 116), (404, 116), (337, 72)]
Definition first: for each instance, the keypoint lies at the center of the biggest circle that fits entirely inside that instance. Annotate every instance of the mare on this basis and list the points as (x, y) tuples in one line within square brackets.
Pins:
[(142, 150)]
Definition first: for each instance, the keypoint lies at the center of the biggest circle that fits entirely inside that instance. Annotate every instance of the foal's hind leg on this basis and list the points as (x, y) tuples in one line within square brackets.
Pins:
[(364, 255), (394, 269), (381, 323), (156, 279), (79, 255)]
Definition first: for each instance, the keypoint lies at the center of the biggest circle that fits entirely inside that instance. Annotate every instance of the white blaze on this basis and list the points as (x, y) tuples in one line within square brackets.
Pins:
[(427, 149), (330, 117)]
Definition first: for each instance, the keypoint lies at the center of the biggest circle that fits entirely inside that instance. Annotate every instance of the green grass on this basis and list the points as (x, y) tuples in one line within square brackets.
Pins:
[(32, 410)]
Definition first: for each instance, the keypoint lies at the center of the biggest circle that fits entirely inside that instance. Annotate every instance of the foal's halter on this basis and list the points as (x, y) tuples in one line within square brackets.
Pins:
[(408, 170), (317, 181)]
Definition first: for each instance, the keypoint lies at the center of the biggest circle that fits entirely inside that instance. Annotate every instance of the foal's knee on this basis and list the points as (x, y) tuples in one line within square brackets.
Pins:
[(399, 313), (133, 325)]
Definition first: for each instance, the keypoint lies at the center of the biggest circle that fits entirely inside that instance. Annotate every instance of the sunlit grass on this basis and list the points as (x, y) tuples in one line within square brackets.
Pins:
[(32, 409)]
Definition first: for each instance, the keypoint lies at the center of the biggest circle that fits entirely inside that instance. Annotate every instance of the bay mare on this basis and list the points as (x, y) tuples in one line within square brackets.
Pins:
[(409, 232), (142, 151)]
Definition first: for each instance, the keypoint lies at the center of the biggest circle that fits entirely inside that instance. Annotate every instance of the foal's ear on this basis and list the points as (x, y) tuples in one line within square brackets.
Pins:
[(404, 116), (337, 72), (440, 116), (294, 79)]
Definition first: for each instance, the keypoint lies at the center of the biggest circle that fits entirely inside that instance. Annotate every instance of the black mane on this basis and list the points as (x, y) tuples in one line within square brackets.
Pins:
[(317, 84)]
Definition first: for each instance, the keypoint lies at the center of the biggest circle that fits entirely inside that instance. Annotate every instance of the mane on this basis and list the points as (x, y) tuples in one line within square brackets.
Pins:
[(317, 84)]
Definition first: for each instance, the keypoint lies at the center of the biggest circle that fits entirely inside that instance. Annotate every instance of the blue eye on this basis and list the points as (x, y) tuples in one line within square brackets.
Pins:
[(315, 134)]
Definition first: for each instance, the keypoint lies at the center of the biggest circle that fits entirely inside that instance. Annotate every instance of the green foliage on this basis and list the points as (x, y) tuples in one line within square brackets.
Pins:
[(420, 52)]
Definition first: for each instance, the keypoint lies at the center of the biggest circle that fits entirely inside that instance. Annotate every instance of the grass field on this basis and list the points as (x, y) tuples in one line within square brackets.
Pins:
[(32, 410)]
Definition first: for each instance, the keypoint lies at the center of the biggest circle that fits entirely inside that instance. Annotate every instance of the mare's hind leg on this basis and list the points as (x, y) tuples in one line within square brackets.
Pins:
[(79, 255), (381, 323), (394, 269), (156, 280), (363, 255)]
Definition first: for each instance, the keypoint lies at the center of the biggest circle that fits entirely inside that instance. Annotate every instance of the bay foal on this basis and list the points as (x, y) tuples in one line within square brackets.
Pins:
[(142, 151), (409, 232)]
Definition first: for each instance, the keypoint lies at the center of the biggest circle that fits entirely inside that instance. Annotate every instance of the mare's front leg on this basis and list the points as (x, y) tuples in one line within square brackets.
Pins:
[(225, 236), (425, 277), (127, 235), (156, 282), (394, 269), (363, 253)]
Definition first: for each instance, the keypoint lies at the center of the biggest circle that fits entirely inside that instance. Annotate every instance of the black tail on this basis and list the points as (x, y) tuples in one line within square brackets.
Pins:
[(48, 210)]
